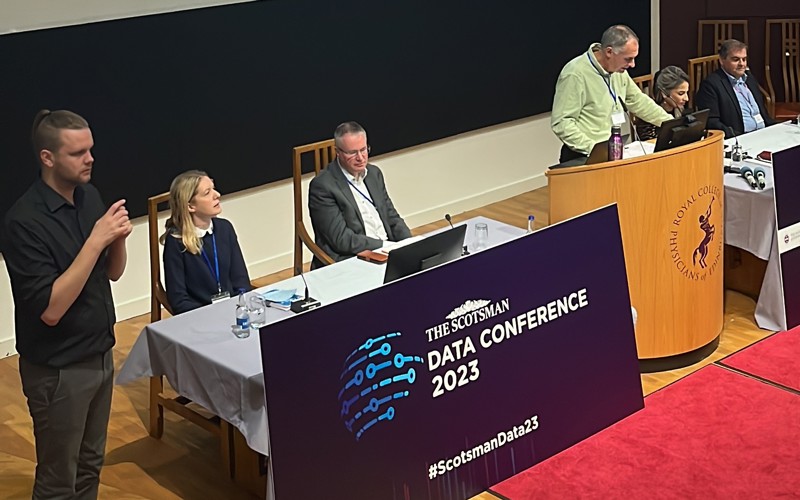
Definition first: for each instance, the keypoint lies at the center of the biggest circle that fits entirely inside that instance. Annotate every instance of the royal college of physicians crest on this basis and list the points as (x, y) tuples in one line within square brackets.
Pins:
[(695, 248)]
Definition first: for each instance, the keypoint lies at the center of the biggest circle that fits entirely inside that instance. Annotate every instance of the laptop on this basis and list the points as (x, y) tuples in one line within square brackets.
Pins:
[(599, 153)]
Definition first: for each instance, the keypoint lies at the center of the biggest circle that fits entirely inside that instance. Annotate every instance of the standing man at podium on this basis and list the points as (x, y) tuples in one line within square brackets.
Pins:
[(594, 91)]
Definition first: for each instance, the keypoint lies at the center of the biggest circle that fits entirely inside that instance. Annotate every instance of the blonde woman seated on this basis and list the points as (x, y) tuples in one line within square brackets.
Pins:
[(671, 92), (202, 258)]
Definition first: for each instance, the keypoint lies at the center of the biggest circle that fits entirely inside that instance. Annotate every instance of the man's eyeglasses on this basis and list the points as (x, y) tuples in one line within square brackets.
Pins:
[(363, 151)]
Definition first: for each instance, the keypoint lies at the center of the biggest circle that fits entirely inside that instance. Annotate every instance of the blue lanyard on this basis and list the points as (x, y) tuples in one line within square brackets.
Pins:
[(216, 261), (362, 194), (607, 81)]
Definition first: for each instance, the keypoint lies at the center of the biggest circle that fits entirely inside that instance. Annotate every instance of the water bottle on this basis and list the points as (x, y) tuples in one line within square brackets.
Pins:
[(530, 224), (615, 144), (242, 316)]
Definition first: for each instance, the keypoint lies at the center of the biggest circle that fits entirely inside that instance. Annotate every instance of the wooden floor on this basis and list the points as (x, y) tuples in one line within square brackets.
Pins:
[(185, 462)]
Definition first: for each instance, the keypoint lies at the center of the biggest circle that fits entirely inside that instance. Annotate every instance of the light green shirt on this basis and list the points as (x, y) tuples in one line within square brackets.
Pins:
[(583, 103)]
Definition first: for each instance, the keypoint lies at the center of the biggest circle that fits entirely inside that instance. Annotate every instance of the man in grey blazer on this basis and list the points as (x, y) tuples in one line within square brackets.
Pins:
[(349, 206)]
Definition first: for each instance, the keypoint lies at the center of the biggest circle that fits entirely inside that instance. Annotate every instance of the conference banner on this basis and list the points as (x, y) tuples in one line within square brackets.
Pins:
[(441, 384), (787, 213)]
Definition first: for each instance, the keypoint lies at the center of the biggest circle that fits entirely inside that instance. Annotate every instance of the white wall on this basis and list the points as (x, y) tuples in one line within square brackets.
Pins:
[(655, 36), (451, 175), (448, 176), (26, 15)]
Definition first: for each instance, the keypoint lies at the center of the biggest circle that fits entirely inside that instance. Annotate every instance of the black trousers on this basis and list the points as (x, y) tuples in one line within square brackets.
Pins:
[(568, 154), (70, 407)]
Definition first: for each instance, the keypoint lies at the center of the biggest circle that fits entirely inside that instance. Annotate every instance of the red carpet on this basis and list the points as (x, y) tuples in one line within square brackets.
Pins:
[(713, 434), (776, 358)]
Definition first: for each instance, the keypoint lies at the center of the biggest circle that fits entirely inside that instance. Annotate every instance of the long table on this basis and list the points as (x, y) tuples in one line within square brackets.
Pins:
[(750, 218), (205, 362)]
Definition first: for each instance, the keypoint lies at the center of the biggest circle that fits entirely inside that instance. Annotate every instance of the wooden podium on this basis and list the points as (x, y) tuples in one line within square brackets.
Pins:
[(671, 216)]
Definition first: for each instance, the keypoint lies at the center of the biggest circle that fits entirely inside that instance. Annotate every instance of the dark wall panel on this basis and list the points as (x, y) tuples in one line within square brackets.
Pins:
[(679, 27), (232, 89)]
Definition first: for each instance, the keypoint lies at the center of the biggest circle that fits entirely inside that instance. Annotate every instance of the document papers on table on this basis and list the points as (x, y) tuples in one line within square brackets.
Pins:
[(638, 148)]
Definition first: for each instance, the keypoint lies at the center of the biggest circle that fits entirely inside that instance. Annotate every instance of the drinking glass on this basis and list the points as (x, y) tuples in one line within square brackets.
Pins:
[(241, 333), (258, 311), (481, 236)]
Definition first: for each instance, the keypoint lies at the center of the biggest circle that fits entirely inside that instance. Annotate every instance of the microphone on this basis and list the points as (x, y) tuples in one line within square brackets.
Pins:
[(464, 250), (730, 133), (761, 177), (306, 303), (633, 127), (672, 102), (747, 174), (622, 103), (736, 155)]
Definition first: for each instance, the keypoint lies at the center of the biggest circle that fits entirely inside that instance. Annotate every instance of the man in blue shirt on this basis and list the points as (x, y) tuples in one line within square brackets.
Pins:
[(731, 94)]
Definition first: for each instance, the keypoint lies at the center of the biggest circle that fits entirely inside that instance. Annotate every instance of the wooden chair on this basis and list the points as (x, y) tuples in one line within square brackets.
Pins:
[(645, 83), (719, 31), (699, 68), (323, 152), (159, 400), (158, 294), (786, 105)]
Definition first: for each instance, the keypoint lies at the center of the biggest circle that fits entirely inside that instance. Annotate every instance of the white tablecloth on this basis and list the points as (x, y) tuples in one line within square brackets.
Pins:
[(750, 218), (204, 362)]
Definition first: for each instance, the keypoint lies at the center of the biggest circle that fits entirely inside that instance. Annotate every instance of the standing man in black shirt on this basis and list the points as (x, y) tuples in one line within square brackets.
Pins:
[(62, 247)]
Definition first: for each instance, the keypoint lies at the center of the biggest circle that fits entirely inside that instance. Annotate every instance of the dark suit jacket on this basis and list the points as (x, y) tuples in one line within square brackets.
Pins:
[(189, 281), (717, 95), (338, 226)]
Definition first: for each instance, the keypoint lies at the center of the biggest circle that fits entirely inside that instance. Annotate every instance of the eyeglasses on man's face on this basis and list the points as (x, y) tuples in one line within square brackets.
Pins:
[(350, 154)]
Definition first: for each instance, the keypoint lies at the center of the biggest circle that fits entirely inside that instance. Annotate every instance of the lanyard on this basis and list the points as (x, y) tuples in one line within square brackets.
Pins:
[(362, 194), (216, 261), (745, 93), (607, 81)]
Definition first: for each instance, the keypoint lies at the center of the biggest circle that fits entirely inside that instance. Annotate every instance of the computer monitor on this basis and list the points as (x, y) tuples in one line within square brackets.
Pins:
[(684, 130), (426, 253)]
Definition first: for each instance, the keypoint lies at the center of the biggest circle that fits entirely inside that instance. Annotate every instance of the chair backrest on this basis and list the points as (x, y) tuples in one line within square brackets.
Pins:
[(158, 294), (699, 69), (645, 83), (712, 32), (789, 53), (322, 153)]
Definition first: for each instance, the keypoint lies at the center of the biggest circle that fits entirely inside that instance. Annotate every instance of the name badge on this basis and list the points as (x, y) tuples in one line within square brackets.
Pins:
[(618, 118), (759, 120), (220, 296)]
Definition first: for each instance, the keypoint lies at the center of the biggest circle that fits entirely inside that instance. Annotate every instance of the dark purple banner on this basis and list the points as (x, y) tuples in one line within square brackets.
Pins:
[(786, 169), (440, 385)]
